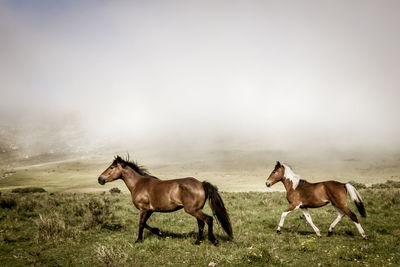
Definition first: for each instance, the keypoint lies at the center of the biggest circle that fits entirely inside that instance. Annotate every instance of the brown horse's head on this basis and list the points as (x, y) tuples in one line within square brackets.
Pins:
[(276, 175), (113, 172)]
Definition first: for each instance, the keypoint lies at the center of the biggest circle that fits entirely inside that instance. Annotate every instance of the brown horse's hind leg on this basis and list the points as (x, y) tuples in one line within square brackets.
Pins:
[(211, 237), (200, 215), (201, 224), (353, 217)]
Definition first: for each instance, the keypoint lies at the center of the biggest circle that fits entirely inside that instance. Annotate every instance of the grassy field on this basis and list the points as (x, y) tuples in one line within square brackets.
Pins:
[(100, 229)]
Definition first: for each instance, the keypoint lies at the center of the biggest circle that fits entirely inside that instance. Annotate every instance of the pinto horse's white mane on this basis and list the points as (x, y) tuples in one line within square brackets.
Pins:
[(289, 174)]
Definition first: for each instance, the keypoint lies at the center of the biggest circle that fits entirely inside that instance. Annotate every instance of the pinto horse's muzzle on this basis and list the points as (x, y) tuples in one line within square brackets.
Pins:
[(102, 180)]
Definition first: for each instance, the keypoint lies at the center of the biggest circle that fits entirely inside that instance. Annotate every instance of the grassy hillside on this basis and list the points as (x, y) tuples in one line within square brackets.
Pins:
[(232, 170), (100, 229)]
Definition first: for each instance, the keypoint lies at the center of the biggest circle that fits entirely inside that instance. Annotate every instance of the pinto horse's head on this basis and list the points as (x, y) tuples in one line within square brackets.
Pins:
[(113, 172), (276, 175)]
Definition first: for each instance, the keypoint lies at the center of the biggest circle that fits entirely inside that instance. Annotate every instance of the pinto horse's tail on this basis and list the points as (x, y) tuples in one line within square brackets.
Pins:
[(218, 207), (355, 196)]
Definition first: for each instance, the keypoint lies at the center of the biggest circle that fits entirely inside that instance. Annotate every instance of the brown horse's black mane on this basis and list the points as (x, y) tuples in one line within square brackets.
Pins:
[(126, 162)]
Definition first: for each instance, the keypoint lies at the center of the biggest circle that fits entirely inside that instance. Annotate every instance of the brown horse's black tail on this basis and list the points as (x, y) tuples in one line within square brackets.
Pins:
[(355, 196), (218, 207)]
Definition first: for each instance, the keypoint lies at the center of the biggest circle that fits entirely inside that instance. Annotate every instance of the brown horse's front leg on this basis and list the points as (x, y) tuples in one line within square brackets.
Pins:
[(144, 216), (155, 231)]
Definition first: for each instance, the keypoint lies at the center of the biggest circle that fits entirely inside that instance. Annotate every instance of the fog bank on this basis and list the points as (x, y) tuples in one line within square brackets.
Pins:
[(207, 75)]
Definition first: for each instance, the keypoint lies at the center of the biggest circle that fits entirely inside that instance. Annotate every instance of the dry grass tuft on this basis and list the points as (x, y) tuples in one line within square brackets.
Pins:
[(51, 227), (108, 257)]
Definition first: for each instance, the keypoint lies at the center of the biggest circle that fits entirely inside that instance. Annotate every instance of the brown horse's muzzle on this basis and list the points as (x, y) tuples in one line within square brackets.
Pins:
[(102, 180), (268, 183)]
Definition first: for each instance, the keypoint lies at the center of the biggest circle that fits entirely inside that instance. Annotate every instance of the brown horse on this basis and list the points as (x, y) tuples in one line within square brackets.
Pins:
[(150, 194), (302, 194)]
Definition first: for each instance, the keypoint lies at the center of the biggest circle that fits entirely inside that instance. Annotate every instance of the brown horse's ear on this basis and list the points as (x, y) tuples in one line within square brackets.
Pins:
[(118, 159), (278, 164)]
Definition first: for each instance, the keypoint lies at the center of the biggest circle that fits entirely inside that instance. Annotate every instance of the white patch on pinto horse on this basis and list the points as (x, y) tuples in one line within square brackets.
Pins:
[(289, 174)]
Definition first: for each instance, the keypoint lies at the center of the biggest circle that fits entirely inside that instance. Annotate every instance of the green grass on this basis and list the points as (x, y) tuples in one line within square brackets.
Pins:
[(95, 229)]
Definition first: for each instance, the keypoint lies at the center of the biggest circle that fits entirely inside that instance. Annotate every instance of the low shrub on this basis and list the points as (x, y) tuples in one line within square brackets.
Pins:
[(115, 190), (100, 215), (79, 210), (394, 184), (7, 203), (387, 184), (100, 211), (27, 205), (380, 186), (26, 190)]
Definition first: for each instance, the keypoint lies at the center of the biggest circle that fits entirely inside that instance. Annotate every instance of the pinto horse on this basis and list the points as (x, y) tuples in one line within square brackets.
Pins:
[(150, 194), (302, 194)]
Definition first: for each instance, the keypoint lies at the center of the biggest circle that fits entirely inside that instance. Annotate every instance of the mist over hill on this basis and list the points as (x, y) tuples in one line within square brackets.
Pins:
[(65, 137)]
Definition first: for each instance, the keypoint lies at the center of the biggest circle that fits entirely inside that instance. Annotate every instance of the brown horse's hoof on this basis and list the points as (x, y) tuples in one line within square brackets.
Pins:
[(157, 232), (138, 241), (197, 242), (215, 242)]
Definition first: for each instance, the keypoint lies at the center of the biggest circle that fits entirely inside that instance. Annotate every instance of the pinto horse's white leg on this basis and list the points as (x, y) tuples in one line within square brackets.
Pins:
[(361, 230), (284, 214), (353, 217), (309, 220), (339, 217)]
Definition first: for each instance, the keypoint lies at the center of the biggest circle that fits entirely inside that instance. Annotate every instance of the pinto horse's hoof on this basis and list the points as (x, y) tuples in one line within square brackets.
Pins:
[(278, 231), (330, 233)]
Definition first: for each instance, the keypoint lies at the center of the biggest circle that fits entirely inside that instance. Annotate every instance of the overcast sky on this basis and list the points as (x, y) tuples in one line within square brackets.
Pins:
[(278, 71)]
